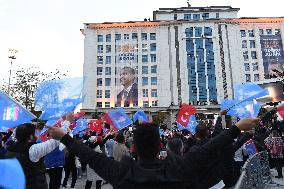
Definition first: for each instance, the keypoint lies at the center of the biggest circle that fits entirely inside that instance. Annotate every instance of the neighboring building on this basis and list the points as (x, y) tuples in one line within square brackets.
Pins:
[(188, 54)]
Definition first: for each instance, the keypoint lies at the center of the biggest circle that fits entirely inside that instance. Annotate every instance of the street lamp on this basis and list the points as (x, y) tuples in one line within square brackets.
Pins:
[(11, 55)]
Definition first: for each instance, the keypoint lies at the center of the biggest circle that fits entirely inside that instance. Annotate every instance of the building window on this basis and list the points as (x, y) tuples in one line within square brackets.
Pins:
[(153, 58), (153, 80), (252, 44), (107, 93), (269, 31), (126, 36), (99, 94), (154, 69), (99, 82), (243, 33), (198, 31), (152, 36), (134, 36), (99, 104), (245, 55), (217, 15), (251, 33), (153, 47), (207, 31), (256, 77), (260, 31), (100, 38), (108, 82), (205, 16), (246, 66), (145, 104), (154, 93), (196, 16), (154, 103), (100, 48), (144, 81), (108, 48), (108, 38), (248, 78), (253, 55), (277, 31), (117, 37), (144, 58), (144, 48), (107, 104), (145, 92), (108, 59), (144, 69), (175, 16), (99, 71), (108, 70), (100, 60), (244, 44), (144, 36), (255, 66), (187, 16)]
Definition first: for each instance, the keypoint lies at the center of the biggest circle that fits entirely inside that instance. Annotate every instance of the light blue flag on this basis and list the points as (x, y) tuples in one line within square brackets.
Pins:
[(12, 113), (141, 116), (56, 98), (81, 125), (249, 91), (119, 118), (191, 126), (12, 174)]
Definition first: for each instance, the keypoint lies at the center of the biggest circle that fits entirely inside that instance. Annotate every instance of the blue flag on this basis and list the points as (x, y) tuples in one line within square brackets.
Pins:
[(249, 91), (191, 126), (119, 119), (141, 116), (12, 113), (12, 174), (56, 98), (81, 125)]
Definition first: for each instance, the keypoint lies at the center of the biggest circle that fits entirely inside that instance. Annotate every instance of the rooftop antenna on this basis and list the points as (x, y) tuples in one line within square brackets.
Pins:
[(189, 5)]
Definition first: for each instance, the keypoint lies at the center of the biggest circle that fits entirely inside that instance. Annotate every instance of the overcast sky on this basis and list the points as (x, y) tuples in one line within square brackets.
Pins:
[(47, 35)]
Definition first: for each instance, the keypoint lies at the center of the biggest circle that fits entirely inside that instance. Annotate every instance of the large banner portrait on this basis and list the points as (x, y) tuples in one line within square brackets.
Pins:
[(272, 55), (126, 74)]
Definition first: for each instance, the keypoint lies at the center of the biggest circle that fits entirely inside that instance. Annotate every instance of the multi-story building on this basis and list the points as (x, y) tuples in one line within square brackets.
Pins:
[(188, 54)]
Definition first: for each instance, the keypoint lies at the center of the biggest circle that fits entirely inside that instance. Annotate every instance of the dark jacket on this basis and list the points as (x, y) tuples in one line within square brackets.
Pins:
[(34, 171), (132, 97), (173, 172)]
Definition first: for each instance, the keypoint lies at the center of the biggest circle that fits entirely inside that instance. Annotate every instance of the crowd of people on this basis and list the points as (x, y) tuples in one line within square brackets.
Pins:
[(144, 155)]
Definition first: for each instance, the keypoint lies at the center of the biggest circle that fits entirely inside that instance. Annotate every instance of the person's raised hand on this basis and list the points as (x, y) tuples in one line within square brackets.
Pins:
[(224, 112), (56, 133), (70, 116), (247, 124)]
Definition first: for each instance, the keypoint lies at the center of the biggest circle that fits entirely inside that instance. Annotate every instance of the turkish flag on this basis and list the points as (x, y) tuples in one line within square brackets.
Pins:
[(107, 119), (184, 114), (78, 115), (96, 125), (280, 110)]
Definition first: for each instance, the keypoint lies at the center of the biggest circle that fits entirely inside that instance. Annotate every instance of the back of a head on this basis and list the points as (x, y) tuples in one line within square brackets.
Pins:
[(24, 131), (147, 141), (120, 138), (275, 133), (175, 145), (201, 131)]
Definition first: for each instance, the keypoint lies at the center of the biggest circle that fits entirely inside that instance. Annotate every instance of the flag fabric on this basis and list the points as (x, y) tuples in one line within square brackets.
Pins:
[(81, 125), (184, 114), (280, 110), (191, 126), (12, 174), (250, 148), (249, 91), (119, 119), (107, 119), (96, 125), (12, 113), (141, 116)]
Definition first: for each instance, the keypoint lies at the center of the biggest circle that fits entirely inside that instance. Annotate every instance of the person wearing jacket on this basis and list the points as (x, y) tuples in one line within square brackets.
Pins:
[(150, 172)]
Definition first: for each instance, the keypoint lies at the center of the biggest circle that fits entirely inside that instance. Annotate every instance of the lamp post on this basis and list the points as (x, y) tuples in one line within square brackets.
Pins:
[(11, 55)]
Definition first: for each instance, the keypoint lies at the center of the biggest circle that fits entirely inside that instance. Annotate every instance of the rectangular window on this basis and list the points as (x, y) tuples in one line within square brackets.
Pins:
[(100, 60), (154, 93), (217, 15), (243, 33), (246, 66), (260, 31), (107, 93), (99, 104), (144, 48), (99, 71), (244, 44), (277, 31), (207, 31), (198, 31), (251, 33), (153, 80), (187, 16), (144, 36), (99, 82), (117, 36), (175, 16), (245, 55), (100, 38), (144, 58), (145, 92), (253, 55), (269, 31), (256, 77), (152, 36), (153, 47), (154, 103), (145, 104), (126, 36), (100, 48), (108, 48), (154, 69), (205, 16), (99, 94), (108, 38), (144, 69), (255, 66), (108, 59), (252, 44), (248, 78), (144, 81), (107, 104), (108, 82), (153, 58), (108, 70), (196, 16), (134, 36)]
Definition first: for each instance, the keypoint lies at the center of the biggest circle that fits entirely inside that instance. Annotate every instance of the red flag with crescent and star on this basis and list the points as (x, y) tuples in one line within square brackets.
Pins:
[(184, 114), (96, 125)]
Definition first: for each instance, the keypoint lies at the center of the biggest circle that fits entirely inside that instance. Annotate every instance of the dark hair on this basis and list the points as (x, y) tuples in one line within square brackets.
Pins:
[(175, 145), (24, 131), (120, 138), (147, 141), (131, 70), (201, 131)]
